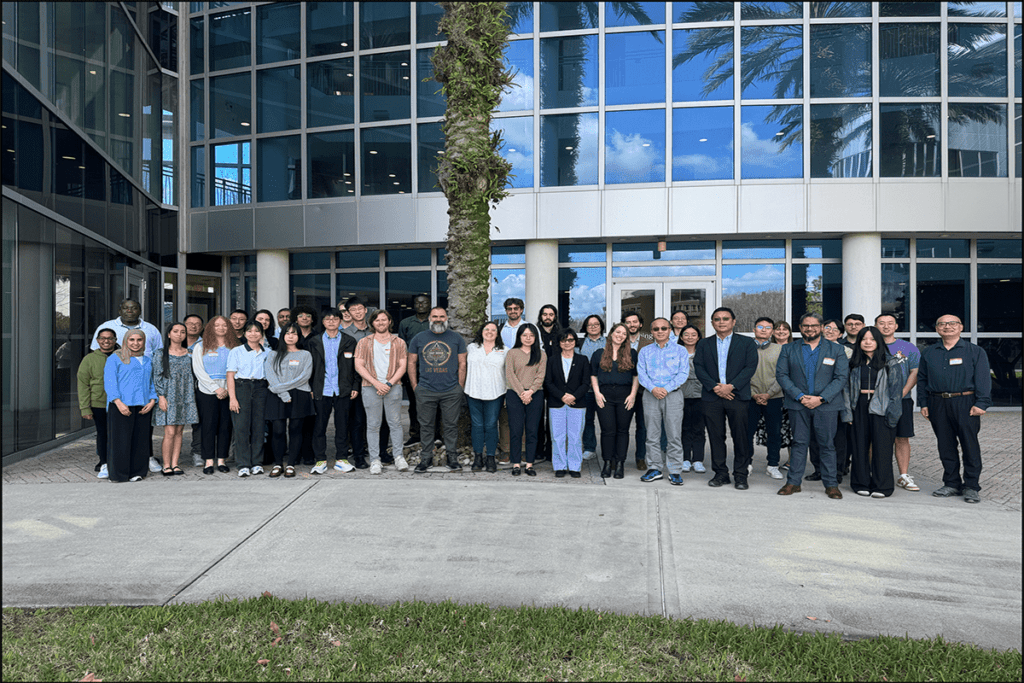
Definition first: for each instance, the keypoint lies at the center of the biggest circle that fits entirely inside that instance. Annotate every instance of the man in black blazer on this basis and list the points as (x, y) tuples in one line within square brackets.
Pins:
[(725, 364)]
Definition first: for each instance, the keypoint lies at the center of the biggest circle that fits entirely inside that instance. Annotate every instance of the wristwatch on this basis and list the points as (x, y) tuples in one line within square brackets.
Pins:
[(388, 383)]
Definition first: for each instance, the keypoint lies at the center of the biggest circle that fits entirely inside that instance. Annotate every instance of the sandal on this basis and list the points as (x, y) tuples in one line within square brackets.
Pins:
[(276, 472), (177, 470), (167, 472)]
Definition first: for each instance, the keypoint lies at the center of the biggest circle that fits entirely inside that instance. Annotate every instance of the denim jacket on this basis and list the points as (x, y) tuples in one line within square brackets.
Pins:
[(887, 400)]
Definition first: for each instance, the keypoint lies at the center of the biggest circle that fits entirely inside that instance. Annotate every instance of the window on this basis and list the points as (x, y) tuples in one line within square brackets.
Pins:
[(568, 71), (635, 147), (232, 174), (387, 160), (702, 143), (330, 93), (280, 168), (332, 171), (568, 150), (278, 100)]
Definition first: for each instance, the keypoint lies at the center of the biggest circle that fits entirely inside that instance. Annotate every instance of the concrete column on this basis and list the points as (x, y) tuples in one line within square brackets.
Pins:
[(273, 290), (541, 276), (862, 275)]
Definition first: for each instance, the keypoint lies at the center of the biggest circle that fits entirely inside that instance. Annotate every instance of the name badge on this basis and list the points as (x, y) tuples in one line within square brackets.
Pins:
[(828, 361), (348, 354), (956, 361), (211, 353), (293, 362)]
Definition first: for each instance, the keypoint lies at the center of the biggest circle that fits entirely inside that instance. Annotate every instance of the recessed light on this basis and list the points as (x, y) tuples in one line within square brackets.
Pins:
[(647, 144), (395, 183), (127, 116), (209, 290), (391, 175), (70, 158), (405, 78), (346, 174), (405, 63), (930, 136), (569, 148), (511, 149), (779, 133), (703, 140), (245, 123), (349, 75), (337, 92), (82, 167), (344, 44), (92, 72), (373, 151), (348, 182)]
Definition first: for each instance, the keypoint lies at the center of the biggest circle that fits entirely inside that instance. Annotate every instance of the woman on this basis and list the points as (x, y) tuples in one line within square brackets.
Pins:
[(210, 366), (615, 382), (693, 409), (128, 381), (485, 390), (289, 397), (92, 399), (593, 339), (247, 398), (566, 382), (679, 322), (175, 387), (524, 372), (782, 335), (873, 398), (266, 319)]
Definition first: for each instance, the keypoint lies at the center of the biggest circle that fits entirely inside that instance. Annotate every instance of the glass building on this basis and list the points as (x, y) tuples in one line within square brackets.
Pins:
[(774, 157)]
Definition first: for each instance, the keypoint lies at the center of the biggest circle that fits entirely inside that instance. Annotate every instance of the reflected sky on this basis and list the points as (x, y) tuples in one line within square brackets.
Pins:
[(702, 64), (519, 59), (772, 61), (841, 140), (753, 278), (761, 136), (587, 292), (635, 147), (568, 71), (634, 13), (509, 283), (568, 150), (702, 143), (635, 68), (518, 148)]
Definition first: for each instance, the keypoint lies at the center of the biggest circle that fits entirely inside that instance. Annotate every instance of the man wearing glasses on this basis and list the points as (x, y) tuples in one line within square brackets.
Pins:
[(766, 395), (663, 368), (812, 372), (514, 318), (725, 364), (954, 391)]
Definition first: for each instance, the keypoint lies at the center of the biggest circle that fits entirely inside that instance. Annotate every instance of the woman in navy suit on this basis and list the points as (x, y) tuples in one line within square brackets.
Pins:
[(566, 383)]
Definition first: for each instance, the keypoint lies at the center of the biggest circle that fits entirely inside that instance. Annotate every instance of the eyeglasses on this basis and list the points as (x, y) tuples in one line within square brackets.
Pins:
[(568, 341), (513, 308), (659, 329), (809, 327), (948, 324), (720, 320), (764, 327)]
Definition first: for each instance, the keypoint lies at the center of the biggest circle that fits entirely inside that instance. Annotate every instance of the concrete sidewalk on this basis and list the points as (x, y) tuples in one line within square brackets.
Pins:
[(911, 564)]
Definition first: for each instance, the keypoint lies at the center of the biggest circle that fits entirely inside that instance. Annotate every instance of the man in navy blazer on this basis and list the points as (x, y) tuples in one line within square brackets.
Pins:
[(725, 364), (812, 372)]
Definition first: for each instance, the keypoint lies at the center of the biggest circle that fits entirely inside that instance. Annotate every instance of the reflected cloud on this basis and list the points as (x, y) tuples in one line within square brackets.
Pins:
[(587, 299), (511, 283), (702, 163), (767, 277), (766, 152), (520, 96), (628, 160)]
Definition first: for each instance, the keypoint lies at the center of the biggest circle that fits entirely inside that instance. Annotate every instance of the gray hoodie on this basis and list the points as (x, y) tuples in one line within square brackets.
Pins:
[(294, 373)]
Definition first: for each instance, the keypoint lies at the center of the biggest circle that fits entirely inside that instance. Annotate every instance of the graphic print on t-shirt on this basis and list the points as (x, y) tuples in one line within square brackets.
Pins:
[(436, 354)]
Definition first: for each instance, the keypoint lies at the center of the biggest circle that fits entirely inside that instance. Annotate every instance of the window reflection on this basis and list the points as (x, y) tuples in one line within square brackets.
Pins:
[(519, 59), (754, 290), (635, 68), (693, 12), (427, 16), (387, 160), (999, 248), (841, 140), (509, 283), (383, 24), (581, 292), (230, 105), (977, 140), (896, 292), (635, 147), (943, 248), (1000, 297), (909, 140), (278, 102), (634, 13), (976, 9), (568, 72), (1004, 360), (771, 142), (841, 60), (568, 150), (943, 289), (702, 64), (771, 10), (198, 177), (400, 289), (830, 10), (328, 28), (232, 174), (431, 143), (230, 44), (196, 47), (518, 149), (908, 9), (366, 286), (520, 17), (772, 62), (566, 16), (280, 168), (581, 253), (429, 100), (330, 92), (909, 59), (702, 143), (277, 32), (817, 288), (384, 86), (977, 60), (311, 290)]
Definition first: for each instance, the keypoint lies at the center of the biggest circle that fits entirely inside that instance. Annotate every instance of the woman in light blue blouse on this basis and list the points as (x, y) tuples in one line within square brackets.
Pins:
[(247, 396), (128, 382)]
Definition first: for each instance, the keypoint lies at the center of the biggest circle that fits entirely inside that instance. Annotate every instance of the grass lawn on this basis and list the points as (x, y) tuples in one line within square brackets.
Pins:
[(271, 639)]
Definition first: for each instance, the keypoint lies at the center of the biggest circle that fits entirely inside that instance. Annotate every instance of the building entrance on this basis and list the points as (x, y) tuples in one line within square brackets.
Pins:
[(654, 298)]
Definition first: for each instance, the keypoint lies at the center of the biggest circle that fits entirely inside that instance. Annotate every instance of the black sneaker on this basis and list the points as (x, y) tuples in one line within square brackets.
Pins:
[(413, 441), (98, 467), (423, 466)]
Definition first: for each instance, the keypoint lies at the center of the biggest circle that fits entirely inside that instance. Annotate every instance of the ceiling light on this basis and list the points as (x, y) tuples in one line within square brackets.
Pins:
[(403, 192), (647, 144), (569, 148), (373, 151), (703, 140), (405, 63), (127, 116), (405, 78), (344, 44), (346, 174), (209, 290), (511, 149), (245, 123), (70, 158), (349, 75), (779, 133), (93, 73), (391, 175), (930, 137), (337, 92), (348, 182), (395, 183), (82, 167)]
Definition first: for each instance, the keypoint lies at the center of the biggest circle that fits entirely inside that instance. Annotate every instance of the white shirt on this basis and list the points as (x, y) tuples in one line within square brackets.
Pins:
[(381, 359), (485, 373), (154, 342), (246, 363), (508, 334)]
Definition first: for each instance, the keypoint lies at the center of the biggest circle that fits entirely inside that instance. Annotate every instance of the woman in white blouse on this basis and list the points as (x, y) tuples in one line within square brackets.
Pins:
[(485, 389)]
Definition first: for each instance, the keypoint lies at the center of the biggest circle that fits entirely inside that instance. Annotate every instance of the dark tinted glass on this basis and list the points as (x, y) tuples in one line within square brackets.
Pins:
[(750, 249), (908, 9), (328, 28), (568, 71), (312, 290), (818, 288), (407, 257), (977, 60), (566, 16), (280, 168), (896, 292), (817, 248), (977, 140), (278, 99), (366, 286), (431, 143), (196, 45), (702, 143), (1004, 360), (387, 160), (999, 248), (230, 43), (829, 10), (841, 60), (230, 105), (910, 140), (427, 16), (197, 110), (383, 24), (384, 86), (1000, 297), (332, 169), (330, 87), (358, 259), (319, 260), (277, 32), (943, 248), (198, 177), (429, 100), (908, 60), (841, 140), (702, 66), (943, 289), (400, 289), (895, 248)]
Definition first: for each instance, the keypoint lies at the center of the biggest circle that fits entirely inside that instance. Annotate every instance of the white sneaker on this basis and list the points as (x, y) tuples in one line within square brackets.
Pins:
[(136, 478), (698, 467), (319, 468), (257, 469), (866, 494), (877, 494), (750, 468), (103, 472), (589, 455), (375, 467), (154, 466), (243, 471), (400, 464), (687, 466), (907, 482), (773, 472), (343, 466)]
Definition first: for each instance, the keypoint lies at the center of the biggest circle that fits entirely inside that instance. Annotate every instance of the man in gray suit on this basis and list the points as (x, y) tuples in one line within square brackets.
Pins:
[(812, 373)]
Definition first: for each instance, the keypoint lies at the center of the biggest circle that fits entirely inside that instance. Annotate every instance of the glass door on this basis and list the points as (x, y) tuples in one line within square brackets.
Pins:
[(135, 287), (661, 298)]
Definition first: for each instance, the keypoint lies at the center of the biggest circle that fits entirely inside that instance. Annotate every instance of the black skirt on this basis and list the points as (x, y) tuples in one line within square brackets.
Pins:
[(301, 406)]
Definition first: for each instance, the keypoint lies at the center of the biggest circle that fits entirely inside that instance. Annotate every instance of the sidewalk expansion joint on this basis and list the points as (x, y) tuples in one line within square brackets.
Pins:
[(661, 557), (223, 556)]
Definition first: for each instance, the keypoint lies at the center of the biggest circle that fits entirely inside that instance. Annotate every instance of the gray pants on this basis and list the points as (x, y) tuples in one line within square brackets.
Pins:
[(388, 406), (667, 412), (427, 402)]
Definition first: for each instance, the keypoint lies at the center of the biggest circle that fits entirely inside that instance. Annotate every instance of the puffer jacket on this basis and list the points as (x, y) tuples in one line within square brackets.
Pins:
[(887, 400)]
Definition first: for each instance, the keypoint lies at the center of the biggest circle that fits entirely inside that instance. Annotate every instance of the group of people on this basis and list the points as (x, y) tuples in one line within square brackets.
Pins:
[(533, 390)]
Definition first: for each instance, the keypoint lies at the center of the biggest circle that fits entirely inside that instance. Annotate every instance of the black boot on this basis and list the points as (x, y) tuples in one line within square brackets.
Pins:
[(359, 462), (478, 462), (453, 463), (619, 470), (606, 471), (490, 465)]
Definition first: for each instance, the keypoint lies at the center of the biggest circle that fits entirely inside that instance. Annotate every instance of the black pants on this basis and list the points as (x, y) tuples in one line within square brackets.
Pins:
[(357, 427), (693, 430), (215, 416), (716, 411), (842, 444), (197, 431), (641, 426), (614, 419), (951, 421), (293, 447), (129, 442), (248, 423), (99, 416), (523, 425), (871, 471), (339, 405)]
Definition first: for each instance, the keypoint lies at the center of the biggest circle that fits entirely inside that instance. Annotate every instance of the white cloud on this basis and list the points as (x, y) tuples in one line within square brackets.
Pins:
[(766, 153), (509, 284), (627, 159), (764, 278), (520, 95), (701, 163), (587, 299)]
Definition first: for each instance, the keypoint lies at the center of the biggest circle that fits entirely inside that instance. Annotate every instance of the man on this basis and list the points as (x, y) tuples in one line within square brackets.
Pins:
[(853, 324), (407, 329), (634, 323), (284, 316), (194, 335), (593, 339), (725, 364), (663, 368), (812, 372), (955, 390), (238, 318), (508, 330), (334, 384), (130, 318), (843, 440), (909, 358), (437, 365), (547, 325), (358, 330), (766, 395), (381, 362), (305, 317), (92, 397)]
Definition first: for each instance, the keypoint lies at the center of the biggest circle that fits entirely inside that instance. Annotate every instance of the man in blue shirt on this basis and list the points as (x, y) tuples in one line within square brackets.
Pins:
[(334, 385), (663, 368)]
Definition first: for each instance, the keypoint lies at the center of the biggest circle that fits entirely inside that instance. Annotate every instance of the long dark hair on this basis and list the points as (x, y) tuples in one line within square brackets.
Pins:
[(679, 339), (535, 348), (282, 347), (878, 359), (479, 338), (586, 321), (166, 371), (269, 331)]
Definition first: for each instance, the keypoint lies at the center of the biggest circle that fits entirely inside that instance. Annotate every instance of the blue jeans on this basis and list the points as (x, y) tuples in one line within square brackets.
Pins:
[(821, 427), (484, 416)]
